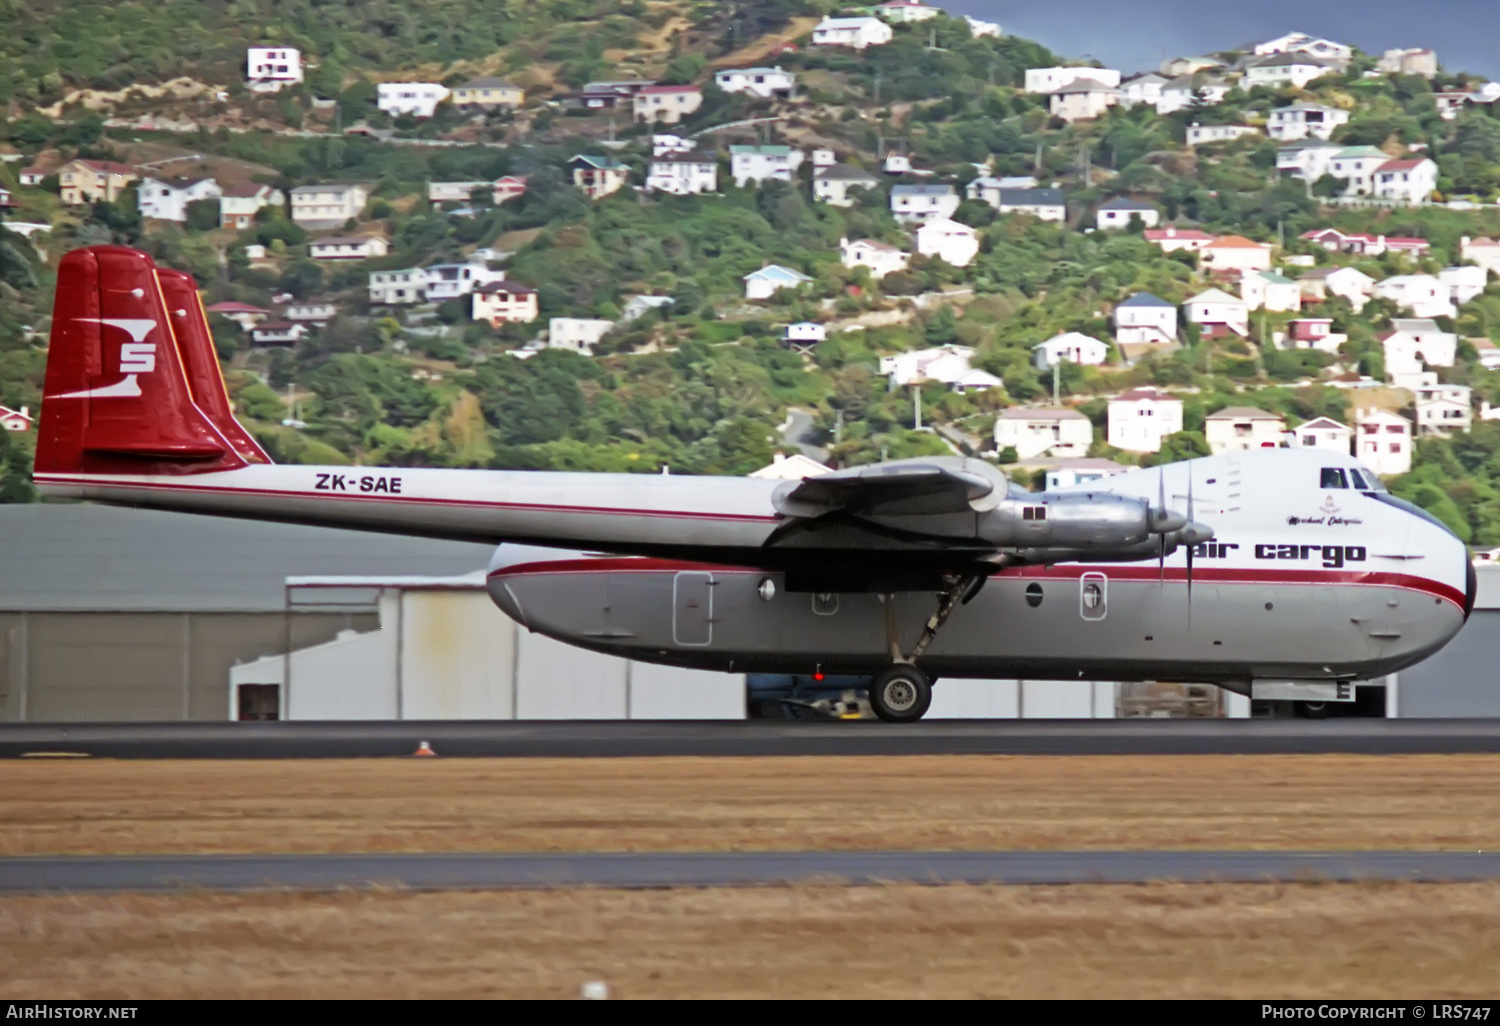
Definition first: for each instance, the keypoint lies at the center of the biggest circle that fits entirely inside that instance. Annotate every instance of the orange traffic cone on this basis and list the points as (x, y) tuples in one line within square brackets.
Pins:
[(424, 749)]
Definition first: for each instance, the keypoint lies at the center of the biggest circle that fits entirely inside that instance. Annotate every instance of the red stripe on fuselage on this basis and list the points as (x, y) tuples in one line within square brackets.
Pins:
[(1071, 572)]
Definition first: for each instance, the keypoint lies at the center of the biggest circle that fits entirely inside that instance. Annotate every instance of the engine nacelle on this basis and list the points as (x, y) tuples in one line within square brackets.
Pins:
[(1082, 521)]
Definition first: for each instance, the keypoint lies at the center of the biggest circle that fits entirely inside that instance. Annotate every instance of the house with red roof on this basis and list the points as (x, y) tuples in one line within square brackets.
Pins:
[(89, 181), (1408, 181), (16, 420), (243, 314), (1235, 253)]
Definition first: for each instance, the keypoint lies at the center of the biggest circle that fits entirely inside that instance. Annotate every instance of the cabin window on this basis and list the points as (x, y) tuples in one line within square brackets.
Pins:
[(1333, 477)]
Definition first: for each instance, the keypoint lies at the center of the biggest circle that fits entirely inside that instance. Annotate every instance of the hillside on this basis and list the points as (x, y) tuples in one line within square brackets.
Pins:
[(54, 47)]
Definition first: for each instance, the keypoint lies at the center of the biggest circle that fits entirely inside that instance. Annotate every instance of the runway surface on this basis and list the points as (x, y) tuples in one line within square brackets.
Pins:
[(725, 869), (749, 738)]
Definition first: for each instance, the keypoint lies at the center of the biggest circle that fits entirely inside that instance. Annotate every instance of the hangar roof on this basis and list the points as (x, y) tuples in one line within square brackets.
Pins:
[(56, 557)]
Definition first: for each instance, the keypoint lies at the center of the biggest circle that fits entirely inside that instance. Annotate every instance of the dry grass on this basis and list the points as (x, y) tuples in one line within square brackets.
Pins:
[(1176, 940), (687, 804)]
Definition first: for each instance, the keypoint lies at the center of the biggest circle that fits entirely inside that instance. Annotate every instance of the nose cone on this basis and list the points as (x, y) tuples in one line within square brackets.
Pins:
[(1196, 533), (1165, 521)]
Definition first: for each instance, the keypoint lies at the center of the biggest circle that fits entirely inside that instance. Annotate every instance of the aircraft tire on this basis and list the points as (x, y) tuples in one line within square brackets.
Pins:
[(901, 694)]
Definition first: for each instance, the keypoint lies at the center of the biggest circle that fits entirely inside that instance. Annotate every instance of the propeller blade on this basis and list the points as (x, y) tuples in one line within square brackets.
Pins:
[(1161, 539), (1190, 547)]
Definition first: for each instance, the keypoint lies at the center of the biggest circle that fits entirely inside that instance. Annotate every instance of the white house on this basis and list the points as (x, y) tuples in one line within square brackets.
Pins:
[(666, 104), (1301, 120), (1483, 252), (1487, 352), (327, 206), (1145, 318), (1049, 431), (1077, 470), (948, 240), (762, 284), (896, 164), (243, 314), (1042, 204), (396, 288), (311, 313), (855, 33), (449, 281), (1408, 181), (278, 333), (1382, 441), (168, 199), (238, 206), (1070, 346), (1142, 89), (1321, 283), (979, 29), (1408, 61), (1413, 345), (1286, 69), (1242, 427), (271, 69), (912, 204), (1443, 409), (1199, 135), (834, 185), (1323, 433), (639, 306), (1269, 291), (1235, 253), (1050, 80), (1301, 42), (683, 174), (366, 247), (1172, 238), (822, 159), (455, 192), (881, 258), (795, 467), (1422, 294), (1465, 282), (763, 82), (804, 333), (577, 334), (16, 420), (1121, 211), (1357, 166), (1183, 91), (419, 99), (1218, 313), (1308, 160), (762, 163), (665, 142), (1082, 99), (503, 302), (898, 11), (948, 364), (1140, 418), (1315, 333)]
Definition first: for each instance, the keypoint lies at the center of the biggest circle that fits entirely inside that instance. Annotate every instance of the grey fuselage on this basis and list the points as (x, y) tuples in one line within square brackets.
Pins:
[(1299, 583)]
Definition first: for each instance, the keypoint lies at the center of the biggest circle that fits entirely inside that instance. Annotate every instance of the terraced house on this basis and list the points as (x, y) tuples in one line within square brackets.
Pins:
[(92, 181)]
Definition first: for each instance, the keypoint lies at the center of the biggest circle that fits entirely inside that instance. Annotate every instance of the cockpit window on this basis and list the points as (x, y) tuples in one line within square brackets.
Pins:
[(1333, 477), (1357, 480)]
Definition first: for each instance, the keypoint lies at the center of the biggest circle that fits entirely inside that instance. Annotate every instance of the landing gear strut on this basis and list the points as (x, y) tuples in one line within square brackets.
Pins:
[(903, 693)]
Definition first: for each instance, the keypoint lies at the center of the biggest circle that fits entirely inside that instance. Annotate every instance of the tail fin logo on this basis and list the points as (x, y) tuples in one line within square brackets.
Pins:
[(136, 357)]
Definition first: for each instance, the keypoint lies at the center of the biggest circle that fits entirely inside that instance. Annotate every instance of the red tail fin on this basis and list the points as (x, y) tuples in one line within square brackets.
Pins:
[(116, 398), (201, 362)]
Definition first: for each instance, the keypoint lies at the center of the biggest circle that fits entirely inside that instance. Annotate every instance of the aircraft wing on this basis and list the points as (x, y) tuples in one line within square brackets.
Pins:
[(903, 488)]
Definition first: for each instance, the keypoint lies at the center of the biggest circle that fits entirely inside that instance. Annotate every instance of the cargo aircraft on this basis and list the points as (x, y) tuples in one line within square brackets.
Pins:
[(1256, 571)]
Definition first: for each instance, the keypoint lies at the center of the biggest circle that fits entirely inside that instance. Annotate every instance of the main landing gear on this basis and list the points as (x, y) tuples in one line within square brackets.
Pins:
[(903, 693)]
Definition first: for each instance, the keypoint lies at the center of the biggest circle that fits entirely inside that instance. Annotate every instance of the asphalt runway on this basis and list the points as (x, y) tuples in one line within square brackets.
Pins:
[(726, 869), (510, 739)]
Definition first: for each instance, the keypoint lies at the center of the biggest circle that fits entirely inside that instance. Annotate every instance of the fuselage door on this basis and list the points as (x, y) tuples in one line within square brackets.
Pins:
[(693, 608), (1093, 596)]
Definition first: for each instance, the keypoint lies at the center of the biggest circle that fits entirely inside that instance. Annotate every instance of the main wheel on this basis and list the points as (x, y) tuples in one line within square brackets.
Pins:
[(901, 694)]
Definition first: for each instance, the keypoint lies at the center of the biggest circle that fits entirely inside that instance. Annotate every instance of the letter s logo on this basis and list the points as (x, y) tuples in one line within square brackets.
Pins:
[(137, 357)]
